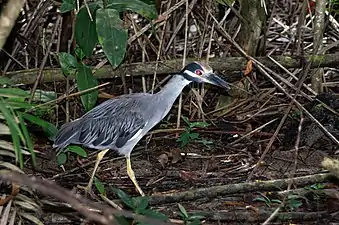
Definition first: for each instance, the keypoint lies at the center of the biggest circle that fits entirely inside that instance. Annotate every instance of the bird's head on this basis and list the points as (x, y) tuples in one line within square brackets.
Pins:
[(202, 73)]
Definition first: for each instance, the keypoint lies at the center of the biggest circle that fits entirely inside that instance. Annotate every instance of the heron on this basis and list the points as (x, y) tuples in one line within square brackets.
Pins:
[(119, 123)]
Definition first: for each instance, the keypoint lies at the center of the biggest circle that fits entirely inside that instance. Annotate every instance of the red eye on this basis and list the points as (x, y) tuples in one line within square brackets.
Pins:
[(198, 72)]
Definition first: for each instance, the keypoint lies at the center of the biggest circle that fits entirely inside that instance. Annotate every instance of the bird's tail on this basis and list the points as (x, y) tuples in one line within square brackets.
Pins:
[(68, 134)]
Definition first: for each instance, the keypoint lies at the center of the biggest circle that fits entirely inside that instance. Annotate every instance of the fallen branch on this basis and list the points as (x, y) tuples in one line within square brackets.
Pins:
[(173, 66), (261, 215), (93, 211), (215, 191)]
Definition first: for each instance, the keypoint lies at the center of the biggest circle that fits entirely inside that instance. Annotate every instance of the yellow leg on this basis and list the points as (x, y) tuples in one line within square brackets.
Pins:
[(131, 175), (100, 156)]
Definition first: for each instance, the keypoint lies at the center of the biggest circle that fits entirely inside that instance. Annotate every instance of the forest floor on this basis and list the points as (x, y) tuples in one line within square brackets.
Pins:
[(164, 168)]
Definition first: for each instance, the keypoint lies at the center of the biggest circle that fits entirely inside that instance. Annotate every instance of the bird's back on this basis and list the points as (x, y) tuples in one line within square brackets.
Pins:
[(110, 124)]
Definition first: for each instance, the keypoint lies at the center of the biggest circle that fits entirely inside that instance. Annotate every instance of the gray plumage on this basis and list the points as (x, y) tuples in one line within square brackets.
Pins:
[(119, 123)]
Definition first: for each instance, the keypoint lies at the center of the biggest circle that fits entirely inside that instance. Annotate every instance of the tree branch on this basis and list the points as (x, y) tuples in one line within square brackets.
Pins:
[(215, 191), (172, 66)]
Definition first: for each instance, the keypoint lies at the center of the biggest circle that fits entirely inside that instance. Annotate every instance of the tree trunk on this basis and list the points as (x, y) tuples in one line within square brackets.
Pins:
[(319, 23), (254, 17)]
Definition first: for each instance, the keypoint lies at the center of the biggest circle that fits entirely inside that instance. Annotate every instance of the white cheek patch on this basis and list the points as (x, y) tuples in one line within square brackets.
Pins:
[(191, 73)]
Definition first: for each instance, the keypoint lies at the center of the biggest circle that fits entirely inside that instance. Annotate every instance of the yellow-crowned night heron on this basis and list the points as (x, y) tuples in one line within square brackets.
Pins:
[(120, 123)]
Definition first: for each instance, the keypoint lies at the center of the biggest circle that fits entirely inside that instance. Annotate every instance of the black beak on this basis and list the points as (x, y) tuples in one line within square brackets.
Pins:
[(214, 79)]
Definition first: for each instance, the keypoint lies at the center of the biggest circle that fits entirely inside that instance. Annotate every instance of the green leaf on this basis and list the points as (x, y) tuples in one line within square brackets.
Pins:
[(78, 51), (141, 204), (85, 29), (99, 185), (205, 142), (194, 136), (13, 93), (122, 220), (146, 10), (28, 140), (276, 201), (186, 120), (5, 81), (86, 80), (77, 150), (61, 158), (155, 214), (15, 131), (18, 104), (44, 96), (128, 201), (68, 63), (47, 127), (261, 199), (196, 217), (294, 203), (315, 187), (111, 35), (199, 124), (183, 210), (67, 5), (195, 222), (184, 137), (149, 2)]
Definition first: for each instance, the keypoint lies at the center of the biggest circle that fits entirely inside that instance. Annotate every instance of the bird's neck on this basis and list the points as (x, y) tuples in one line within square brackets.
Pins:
[(173, 88), (170, 92)]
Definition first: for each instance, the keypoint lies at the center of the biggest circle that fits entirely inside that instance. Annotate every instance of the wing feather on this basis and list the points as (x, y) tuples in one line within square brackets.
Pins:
[(108, 125)]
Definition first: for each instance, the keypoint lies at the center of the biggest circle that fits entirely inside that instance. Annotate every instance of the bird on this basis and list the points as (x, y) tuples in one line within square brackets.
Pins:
[(120, 122)]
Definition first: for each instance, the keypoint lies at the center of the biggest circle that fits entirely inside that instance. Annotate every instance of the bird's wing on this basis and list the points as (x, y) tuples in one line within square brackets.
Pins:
[(112, 123)]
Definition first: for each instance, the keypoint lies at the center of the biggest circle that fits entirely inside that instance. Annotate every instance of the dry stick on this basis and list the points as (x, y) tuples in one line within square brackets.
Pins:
[(160, 18), (272, 216), (202, 90), (72, 171), (158, 56), (36, 15), (9, 14), (261, 67), (250, 216), (263, 71), (172, 66), (12, 58), (66, 96), (44, 60), (78, 202), (297, 142), (251, 132), (179, 25), (291, 74), (183, 64), (223, 190), (272, 139), (144, 53)]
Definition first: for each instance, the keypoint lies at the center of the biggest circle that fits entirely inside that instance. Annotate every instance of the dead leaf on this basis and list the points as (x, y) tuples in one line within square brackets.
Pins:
[(163, 159), (185, 175), (249, 68), (175, 154)]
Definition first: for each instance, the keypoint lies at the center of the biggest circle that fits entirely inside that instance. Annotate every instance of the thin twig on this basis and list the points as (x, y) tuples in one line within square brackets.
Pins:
[(44, 60), (87, 208)]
